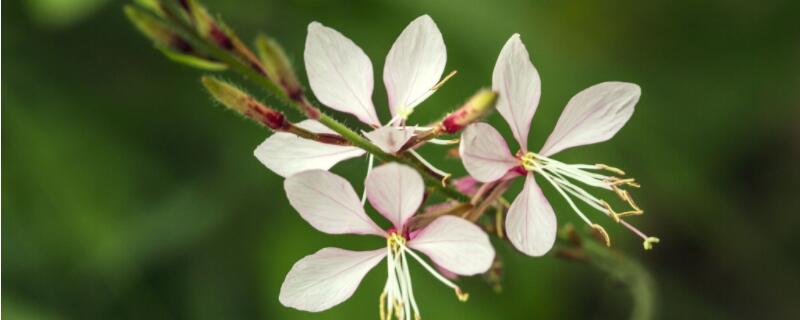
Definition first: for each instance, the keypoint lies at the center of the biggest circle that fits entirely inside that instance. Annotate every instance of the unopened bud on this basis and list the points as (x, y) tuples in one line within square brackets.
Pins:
[(475, 108), (207, 27), (241, 102), (150, 26), (277, 64), (171, 45)]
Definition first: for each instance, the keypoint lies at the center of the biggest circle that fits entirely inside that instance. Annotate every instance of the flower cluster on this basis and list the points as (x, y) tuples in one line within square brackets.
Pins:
[(451, 234)]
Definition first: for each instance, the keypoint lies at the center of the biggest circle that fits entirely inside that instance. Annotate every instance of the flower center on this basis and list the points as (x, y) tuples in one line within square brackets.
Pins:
[(397, 298), (565, 177)]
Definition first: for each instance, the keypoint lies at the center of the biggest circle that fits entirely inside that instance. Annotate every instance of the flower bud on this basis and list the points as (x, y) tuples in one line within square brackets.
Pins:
[(475, 108), (277, 65), (151, 27), (237, 100), (171, 45)]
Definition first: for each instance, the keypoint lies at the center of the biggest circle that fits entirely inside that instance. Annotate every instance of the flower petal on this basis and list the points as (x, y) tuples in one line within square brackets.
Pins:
[(455, 244), (485, 153), (593, 115), (286, 154), (390, 138), (396, 191), (327, 278), (340, 73), (531, 222), (329, 203), (519, 88), (414, 64)]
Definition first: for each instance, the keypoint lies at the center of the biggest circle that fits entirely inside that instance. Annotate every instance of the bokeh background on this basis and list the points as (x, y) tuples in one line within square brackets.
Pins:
[(128, 194)]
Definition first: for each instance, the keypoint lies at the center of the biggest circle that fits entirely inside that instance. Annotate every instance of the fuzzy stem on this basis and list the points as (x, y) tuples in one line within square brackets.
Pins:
[(299, 102)]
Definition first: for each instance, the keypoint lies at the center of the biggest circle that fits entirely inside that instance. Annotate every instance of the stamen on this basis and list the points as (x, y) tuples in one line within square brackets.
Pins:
[(403, 112), (462, 296), (445, 176), (562, 176), (369, 168), (444, 142), (498, 221), (441, 82), (610, 168), (600, 231), (648, 241)]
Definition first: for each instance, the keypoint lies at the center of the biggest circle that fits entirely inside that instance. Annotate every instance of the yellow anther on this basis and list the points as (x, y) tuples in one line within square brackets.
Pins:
[(648, 243), (382, 306), (610, 211), (445, 179), (610, 168), (614, 181), (600, 231), (441, 82), (462, 296)]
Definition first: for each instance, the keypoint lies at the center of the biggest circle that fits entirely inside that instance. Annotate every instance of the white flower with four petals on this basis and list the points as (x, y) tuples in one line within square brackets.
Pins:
[(593, 115), (340, 75), (331, 275)]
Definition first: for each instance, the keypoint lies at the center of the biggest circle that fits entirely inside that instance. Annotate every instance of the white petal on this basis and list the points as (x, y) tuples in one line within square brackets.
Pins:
[(414, 64), (485, 153), (327, 278), (456, 245), (531, 223), (519, 88), (593, 115), (340, 73), (329, 203), (390, 138), (287, 154), (396, 191)]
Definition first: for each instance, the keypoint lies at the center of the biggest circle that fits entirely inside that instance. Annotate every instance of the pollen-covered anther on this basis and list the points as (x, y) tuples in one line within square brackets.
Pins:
[(606, 167), (446, 179), (617, 216), (601, 232)]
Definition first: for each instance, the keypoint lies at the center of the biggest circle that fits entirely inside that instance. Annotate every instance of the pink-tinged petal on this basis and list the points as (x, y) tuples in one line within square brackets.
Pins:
[(327, 278), (396, 191), (531, 222), (519, 88), (593, 115), (414, 64), (485, 153), (329, 203), (446, 273), (466, 185), (286, 154), (340, 73), (456, 245), (390, 138)]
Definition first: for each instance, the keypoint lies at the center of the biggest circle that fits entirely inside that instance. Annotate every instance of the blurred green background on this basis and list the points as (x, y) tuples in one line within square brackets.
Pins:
[(128, 194)]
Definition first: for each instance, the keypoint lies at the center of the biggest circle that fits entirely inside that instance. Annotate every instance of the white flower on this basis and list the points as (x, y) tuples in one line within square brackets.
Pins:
[(341, 77), (593, 115), (331, 275)]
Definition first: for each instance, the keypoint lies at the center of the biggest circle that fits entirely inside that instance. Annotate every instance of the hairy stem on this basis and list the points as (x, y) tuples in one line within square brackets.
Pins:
[(301, 104)]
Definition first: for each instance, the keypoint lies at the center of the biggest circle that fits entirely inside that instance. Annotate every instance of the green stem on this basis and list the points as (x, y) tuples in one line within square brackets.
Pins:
[(626, 270), (614, 263), (303, 106)]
